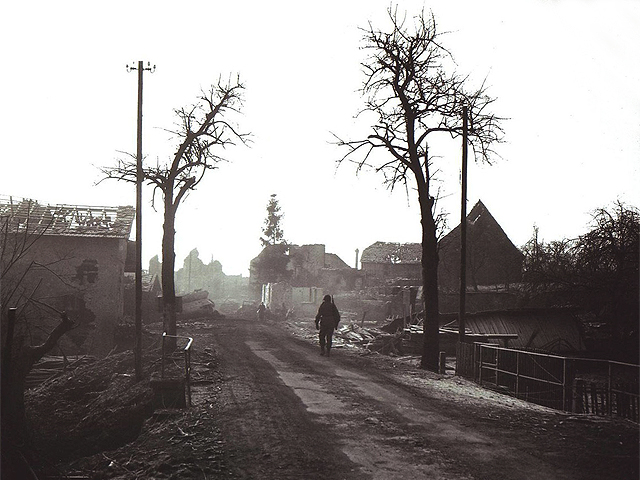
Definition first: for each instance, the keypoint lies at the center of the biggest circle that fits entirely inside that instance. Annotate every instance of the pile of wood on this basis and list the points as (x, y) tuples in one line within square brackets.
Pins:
[(51, 366), (372, 339), (353, 333)]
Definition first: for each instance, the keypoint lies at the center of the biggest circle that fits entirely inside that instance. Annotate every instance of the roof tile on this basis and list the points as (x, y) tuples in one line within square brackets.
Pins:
[(25, 215)]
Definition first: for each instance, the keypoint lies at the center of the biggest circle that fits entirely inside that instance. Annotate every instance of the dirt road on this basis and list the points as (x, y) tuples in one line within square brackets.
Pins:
[(285, 412), (266, 405)]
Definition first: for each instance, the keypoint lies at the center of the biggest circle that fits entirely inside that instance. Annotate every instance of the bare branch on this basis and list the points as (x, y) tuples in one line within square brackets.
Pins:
[(407, 87)]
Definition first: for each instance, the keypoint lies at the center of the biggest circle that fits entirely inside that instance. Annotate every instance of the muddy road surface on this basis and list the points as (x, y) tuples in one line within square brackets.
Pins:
[(285, 412)]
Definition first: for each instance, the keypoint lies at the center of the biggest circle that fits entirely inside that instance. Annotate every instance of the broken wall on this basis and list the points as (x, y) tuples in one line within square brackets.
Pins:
[(308, 257), (275, 295), (83, 276)]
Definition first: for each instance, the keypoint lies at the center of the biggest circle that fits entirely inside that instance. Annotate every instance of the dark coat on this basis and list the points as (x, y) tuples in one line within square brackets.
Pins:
[(328, 314)]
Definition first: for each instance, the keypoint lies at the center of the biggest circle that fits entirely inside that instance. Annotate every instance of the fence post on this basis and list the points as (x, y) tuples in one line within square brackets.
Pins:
[(609, 386), (480, 364), (164, 335), (579, 398), (594, 398), (475, 361), (517, 374), (564, 384), (187, 373), (497, 367), (443, 362)]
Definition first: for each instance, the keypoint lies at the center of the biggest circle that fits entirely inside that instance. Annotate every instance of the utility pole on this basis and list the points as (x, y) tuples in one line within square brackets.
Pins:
[(463, 231), (139, 179)]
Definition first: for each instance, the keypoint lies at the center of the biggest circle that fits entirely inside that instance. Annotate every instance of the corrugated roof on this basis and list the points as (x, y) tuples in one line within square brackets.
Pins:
[(552, 330), (388, 252), (25, 215)]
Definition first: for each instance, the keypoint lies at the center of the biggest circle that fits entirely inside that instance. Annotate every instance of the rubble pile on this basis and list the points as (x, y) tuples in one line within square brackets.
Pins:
[(371, 338), (388, 339), (197, 305)]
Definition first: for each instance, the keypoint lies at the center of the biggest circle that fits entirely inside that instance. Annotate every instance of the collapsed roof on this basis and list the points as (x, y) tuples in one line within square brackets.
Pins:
[(29, 216)]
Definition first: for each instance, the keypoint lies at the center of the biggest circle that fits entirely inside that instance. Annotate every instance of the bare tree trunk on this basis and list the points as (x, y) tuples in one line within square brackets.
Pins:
[(13, 409), (168, 267), (431, 343)]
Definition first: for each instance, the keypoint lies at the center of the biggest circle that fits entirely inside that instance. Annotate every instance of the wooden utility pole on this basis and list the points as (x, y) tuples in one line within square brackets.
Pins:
[(463, 231), (139, 179)]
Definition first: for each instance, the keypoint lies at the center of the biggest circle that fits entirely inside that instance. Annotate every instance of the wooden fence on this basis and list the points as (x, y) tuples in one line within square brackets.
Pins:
[(600, 387)]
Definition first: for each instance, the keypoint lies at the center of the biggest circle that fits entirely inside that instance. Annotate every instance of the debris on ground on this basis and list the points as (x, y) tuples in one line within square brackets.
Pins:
[(52, 366), (100, 406)]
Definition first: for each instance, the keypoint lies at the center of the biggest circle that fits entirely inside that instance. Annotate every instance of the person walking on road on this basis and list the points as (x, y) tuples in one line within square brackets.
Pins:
[(327, 320), (261, 310)]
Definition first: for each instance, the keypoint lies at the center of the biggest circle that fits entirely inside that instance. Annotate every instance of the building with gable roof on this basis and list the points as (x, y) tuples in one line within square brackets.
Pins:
[(492, 259)]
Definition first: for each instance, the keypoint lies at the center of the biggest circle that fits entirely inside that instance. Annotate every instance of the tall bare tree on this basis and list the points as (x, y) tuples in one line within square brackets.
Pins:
[(201, 131), (411, 94)]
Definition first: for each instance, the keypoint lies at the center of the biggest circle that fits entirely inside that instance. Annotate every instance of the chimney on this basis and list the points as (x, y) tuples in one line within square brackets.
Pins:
[(357, 252)]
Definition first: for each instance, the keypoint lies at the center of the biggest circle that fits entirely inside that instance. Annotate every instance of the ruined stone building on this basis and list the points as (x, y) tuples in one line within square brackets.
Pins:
[(492, 259), (386, 261), (299, 275), (75, 262), (210, 277)]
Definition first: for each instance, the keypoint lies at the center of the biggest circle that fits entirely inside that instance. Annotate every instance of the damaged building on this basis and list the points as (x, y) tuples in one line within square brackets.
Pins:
[(285, 276), (385, 262), (197, 275), (492, 259), (493, 262), (75, 262)]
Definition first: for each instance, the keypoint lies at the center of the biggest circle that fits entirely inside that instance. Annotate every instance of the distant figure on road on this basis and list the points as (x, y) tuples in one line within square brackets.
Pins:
[(261, 310), (327, 320)]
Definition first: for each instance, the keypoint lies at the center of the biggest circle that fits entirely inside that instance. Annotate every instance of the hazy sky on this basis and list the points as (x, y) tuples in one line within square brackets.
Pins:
[(566, 74)]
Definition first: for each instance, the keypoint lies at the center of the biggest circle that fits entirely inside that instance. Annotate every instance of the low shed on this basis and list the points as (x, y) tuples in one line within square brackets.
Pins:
[(553, 330)]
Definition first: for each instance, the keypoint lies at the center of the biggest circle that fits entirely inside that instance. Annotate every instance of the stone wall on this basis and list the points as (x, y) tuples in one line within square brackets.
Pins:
[(83, 276)]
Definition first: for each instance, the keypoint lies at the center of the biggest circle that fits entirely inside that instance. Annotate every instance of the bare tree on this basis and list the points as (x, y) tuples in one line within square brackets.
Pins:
[(597, 272), (201, 130), (22, 225), (409, 91)]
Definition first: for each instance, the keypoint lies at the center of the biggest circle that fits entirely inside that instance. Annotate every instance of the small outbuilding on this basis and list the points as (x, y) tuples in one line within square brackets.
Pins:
[(554, 330)]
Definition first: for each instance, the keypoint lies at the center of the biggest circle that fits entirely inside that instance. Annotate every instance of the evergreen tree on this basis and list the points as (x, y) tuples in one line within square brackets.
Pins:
[(273, 234)]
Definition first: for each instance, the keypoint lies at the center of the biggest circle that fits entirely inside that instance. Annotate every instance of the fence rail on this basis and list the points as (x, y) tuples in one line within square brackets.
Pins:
[(600, 387)]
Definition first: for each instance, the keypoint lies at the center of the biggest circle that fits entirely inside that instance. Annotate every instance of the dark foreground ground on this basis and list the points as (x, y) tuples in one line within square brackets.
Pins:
[(267, 406)]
